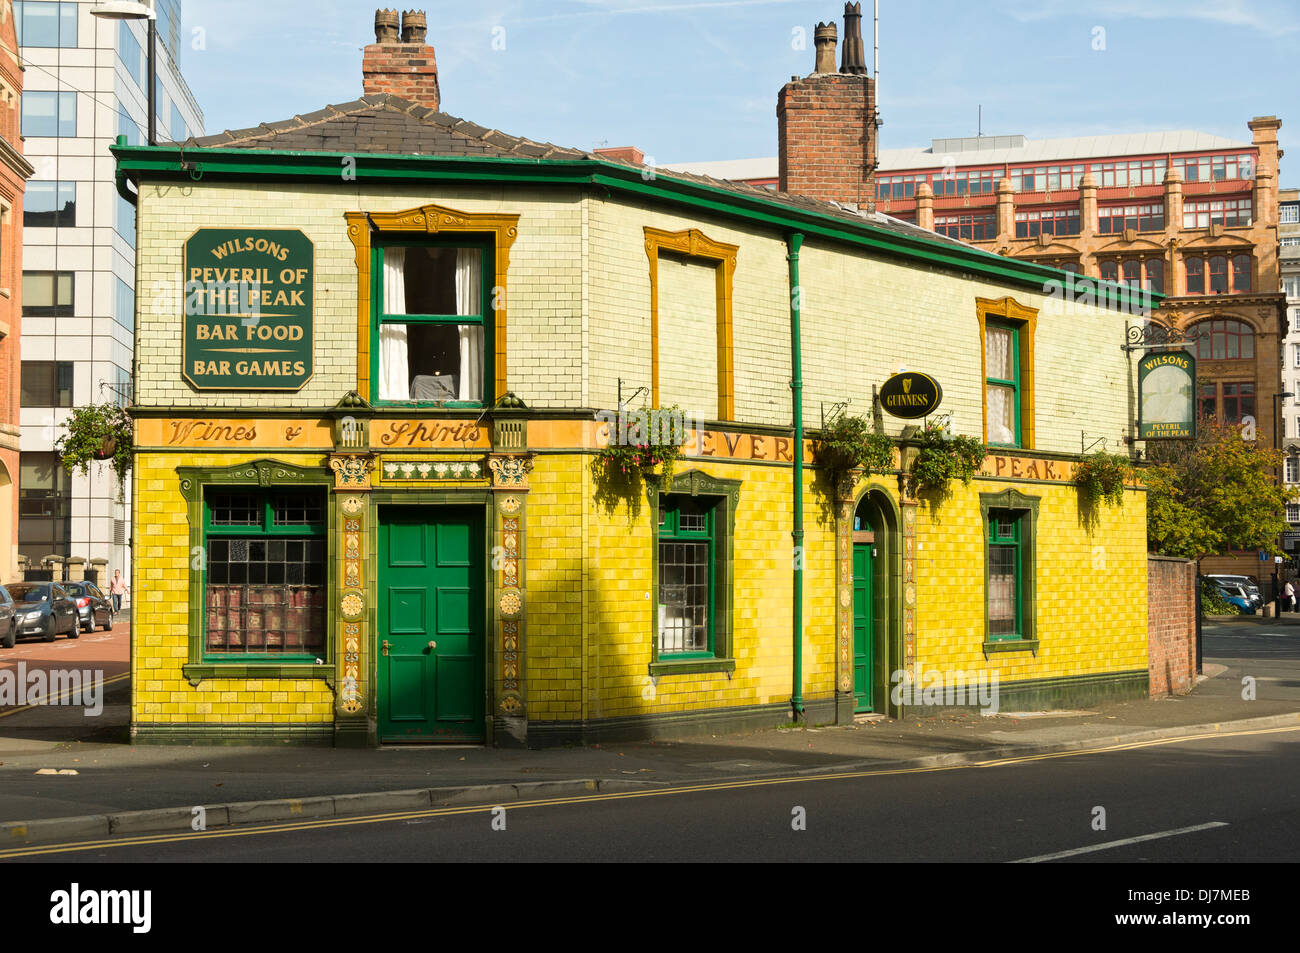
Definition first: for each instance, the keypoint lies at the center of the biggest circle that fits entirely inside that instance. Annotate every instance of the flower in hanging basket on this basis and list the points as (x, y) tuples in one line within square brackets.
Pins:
[(107, 448)]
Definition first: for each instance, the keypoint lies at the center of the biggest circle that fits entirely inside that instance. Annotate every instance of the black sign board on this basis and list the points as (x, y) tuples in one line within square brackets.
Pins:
[(910, 395)]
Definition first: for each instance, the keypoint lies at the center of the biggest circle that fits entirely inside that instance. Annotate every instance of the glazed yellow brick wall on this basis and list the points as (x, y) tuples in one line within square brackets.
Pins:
[(863, 318), (160, 628), (544, 289), (1091, 586), (611, 563)]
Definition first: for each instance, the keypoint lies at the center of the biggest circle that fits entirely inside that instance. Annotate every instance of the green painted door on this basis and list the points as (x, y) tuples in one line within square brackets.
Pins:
[(431, 628), (863, 626)]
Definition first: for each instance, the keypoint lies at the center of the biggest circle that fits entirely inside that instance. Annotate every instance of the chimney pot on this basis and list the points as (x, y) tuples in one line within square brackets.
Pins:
[(825, 37), (855, 55), (386, 26), (415, 27)]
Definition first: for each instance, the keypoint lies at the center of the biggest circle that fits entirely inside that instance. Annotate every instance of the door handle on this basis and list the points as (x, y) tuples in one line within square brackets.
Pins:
[(432, 646), (387, 646)]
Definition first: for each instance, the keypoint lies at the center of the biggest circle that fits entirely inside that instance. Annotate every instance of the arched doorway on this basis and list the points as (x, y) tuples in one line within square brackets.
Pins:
[(877, 600)]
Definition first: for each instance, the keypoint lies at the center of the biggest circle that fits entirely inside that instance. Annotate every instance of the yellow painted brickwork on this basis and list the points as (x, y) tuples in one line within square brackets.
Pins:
[(160, 627), (544, 293), (618, 604), (1091, 586)]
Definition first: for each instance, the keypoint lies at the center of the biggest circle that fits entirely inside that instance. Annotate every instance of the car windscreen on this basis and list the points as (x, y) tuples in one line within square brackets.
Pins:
[(30, 593)]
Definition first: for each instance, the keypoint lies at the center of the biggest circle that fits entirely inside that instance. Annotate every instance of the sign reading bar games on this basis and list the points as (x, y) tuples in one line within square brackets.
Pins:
[(1166, 396), (248, 309), (910, 395)]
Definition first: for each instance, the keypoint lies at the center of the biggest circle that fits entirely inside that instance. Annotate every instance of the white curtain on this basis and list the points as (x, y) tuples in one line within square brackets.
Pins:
[(394, 369), (469, 295), (1001, 406)]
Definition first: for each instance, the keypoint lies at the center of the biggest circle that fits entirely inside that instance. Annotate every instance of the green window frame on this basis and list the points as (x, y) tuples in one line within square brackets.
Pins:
[(1010, 541), (687, 548), (696, 510), (1013, 382), (483, 318), (269, 478), (291, 558)]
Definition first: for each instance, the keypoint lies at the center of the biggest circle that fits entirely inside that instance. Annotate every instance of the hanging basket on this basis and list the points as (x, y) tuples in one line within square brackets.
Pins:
[(107, 448)]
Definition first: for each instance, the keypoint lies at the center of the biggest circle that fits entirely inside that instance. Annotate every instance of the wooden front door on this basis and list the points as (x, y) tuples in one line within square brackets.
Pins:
[(864, 611), (431, 625)]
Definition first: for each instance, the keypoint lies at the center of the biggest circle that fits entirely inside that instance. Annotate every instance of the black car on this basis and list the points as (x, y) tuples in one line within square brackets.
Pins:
[(93, 606), (8, 624), (44, 609)]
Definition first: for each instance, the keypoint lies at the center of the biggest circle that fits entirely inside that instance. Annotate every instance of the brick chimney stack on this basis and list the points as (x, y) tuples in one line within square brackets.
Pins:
[(400, 61), (826, 123)]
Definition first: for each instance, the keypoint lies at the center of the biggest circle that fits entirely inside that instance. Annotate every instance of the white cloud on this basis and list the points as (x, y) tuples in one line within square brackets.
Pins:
[(1266, 16)]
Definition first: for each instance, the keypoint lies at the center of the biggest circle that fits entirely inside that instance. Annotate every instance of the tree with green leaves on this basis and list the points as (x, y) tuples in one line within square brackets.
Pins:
[(1214, 494)]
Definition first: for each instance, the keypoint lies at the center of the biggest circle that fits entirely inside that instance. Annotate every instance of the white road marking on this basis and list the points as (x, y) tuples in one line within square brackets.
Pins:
[(1120, 843)]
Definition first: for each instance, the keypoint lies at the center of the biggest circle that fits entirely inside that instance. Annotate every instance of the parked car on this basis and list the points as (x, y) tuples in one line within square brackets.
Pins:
[(1246, 583), (93, 606), (8, 623), (1237, 596), (44, 609)]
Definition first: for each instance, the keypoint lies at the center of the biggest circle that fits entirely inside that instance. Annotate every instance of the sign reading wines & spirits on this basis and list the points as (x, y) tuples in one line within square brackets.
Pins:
[(910, 395), (249, 295), (1167, 396)]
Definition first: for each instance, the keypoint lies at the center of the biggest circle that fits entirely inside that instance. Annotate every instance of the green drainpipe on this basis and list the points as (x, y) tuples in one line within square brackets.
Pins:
[(796, 387)]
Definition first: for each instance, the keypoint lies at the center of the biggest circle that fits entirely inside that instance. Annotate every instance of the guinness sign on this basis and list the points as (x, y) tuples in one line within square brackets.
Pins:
[(910, 395)]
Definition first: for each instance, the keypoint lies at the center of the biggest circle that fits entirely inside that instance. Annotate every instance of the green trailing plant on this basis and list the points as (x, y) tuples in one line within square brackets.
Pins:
[(1214, 603), (851, 443), (1102, 476), (98, 432), (643, 444), (942, 457)]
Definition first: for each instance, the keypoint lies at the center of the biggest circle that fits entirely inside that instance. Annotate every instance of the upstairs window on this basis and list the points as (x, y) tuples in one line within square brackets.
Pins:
[(433, 335), (46, 24), (1223, 340), (49, 114), (1002, 363), (1225, 275), (1056, 221), (1227, 212), (970, 228), (1115, 219), (50, 204)]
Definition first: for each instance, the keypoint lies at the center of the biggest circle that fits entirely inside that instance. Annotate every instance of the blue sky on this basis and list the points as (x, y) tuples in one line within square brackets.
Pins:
[(697, 80)]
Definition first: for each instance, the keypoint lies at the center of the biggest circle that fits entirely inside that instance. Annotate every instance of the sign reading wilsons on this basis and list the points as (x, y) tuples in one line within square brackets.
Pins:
[(248, 309), (1166, 396)]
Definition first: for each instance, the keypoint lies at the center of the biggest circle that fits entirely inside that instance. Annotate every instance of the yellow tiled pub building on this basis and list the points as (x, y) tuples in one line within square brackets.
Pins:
[(378, 350)]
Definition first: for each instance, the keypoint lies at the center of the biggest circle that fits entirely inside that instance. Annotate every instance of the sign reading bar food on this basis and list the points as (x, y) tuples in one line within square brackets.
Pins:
[(248, 309), (910, 395), (1166, 396)]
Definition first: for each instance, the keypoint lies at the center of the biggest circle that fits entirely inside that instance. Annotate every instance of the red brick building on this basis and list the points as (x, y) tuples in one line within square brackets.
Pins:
[(14, 172)]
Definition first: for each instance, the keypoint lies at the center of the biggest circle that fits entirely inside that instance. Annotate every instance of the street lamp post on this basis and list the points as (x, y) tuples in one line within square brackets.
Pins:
[(132, 10)]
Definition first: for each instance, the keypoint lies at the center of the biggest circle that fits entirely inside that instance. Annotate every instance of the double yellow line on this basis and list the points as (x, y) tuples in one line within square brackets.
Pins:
[(324, 823)]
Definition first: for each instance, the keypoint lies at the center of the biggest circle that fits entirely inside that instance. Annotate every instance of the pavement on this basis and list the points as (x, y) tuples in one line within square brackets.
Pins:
[(66, 777)]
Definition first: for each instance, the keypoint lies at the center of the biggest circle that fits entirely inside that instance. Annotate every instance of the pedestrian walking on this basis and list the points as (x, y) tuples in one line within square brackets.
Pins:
[(117, 588)]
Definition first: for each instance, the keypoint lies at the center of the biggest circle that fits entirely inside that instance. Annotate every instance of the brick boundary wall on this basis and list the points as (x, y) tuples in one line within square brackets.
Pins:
[(1171, 625)]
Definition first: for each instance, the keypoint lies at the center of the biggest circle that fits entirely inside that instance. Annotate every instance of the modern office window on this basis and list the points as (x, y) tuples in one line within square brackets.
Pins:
[(49, 114), (433, 339), (970, 228), (45, 24), (44, 506), (121, 386), (178, 130), (124, 305), (47, 383), (127, 126), (1114, 219), (48, 294), (50, 204), (1289, 213), (129, 49), (1055, 221), (265, 581), (686, 584), (124, 221), (1223, 340), (1228, 212)]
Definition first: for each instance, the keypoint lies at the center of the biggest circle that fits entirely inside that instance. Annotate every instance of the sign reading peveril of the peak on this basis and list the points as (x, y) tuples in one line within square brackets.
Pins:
[(249, 298)]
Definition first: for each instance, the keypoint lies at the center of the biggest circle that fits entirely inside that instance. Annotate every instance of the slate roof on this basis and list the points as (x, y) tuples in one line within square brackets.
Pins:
[(387, 125)]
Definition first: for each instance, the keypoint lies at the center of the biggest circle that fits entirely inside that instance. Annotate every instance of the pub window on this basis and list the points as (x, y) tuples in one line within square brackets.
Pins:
[(434, 340), (50, 204), (264, 587), (48, 294), (1002, 360), (1006, 574), (687, 590)]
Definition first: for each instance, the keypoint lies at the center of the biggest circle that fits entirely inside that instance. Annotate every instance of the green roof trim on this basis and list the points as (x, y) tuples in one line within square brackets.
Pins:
[(136, 163)]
